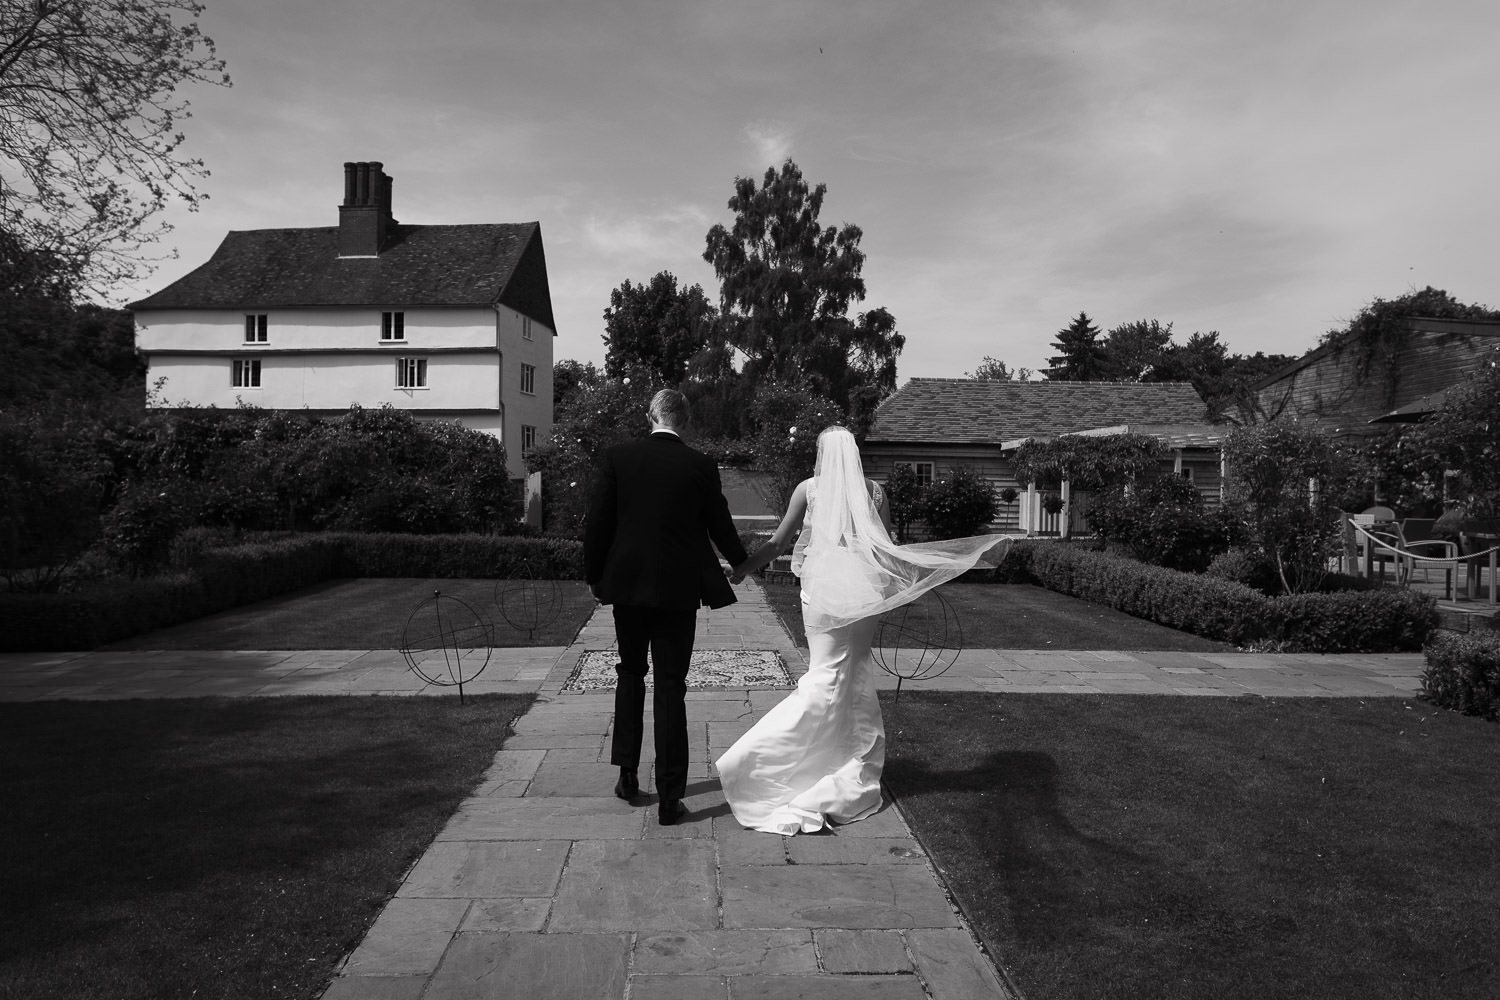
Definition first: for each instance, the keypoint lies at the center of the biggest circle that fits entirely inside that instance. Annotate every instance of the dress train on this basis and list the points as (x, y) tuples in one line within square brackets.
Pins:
[(817, 756)]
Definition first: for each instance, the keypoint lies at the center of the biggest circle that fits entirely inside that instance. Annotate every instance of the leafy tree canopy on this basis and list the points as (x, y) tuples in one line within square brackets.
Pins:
[(90, 126), (656, 326), (1135, 350), (786, 286), (994, 370)]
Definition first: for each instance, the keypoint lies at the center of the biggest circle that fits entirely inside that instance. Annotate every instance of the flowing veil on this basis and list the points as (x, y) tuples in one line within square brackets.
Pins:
[(852, 569)]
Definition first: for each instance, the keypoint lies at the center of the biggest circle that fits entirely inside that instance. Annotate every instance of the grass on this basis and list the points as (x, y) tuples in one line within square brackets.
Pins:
[(1148, 846), (1022, 616), (372, 614), (234, 848)]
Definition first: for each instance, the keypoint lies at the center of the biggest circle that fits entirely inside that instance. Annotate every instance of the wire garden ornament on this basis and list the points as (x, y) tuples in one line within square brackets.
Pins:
[(918, 641), (528, 603), (446, 642)]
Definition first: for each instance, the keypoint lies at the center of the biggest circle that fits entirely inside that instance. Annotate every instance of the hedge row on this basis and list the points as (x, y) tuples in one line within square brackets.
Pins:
[(1463, 672), (215, 578), (1351, 621)]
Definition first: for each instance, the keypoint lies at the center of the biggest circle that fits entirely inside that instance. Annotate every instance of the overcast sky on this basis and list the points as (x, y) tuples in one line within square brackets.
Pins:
[(1261, 168)]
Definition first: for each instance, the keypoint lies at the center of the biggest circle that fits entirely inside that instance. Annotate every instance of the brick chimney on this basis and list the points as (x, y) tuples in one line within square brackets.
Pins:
[(365, 215)]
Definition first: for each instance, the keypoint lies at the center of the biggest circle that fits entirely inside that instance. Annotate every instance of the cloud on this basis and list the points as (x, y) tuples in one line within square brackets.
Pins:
[(771, 141), (647, 236)]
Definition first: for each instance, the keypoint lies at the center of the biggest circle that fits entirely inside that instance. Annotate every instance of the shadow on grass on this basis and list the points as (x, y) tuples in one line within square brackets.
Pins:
[(234, 848), (1132, 846)]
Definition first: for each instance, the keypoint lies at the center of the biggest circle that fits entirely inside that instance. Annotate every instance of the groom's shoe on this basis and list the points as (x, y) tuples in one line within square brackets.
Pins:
[(671, 812), (629, 786)]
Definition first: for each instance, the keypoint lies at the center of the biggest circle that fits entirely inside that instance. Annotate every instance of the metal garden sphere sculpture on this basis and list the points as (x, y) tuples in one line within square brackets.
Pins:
[(918, 641), (528, 603), (446, 642)]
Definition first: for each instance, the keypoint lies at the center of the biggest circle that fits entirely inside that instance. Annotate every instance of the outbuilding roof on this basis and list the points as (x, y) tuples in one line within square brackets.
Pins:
[(977, 411)]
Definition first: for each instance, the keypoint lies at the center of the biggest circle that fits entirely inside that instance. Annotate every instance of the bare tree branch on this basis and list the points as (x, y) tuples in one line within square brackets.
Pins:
[(90, 127)]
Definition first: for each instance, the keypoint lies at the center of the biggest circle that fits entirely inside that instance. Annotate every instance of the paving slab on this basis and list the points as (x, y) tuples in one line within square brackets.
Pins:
[(534, 966), (862, 951), (543, 819), (726, 952), (637, 885), (487, 869), (827, 987), (833, 896), (953, 967)]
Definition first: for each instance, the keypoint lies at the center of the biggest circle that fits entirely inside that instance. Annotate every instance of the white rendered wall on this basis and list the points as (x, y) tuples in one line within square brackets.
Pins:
[(521, 409), (310, 329), (329, 359)]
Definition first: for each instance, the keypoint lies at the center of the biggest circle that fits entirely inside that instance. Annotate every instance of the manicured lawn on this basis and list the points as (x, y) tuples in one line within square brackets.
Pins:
[(1239, 849), (372, 614), (214, 847), (1022, 616)]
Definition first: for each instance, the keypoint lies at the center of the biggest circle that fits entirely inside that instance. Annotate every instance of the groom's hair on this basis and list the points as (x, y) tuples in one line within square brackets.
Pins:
[(670, 408)]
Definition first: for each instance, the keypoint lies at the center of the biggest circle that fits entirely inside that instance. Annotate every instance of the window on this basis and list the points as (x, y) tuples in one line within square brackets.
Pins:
[(411, 373), (245, 373), (255, 328), (528, 438), (393, 326), (922, 470), (526, 328), (528, 379), (1186, 472)]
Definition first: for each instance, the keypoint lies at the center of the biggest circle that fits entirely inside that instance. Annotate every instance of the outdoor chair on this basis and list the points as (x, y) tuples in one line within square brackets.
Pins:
[(1377, 543), (1420, 550)]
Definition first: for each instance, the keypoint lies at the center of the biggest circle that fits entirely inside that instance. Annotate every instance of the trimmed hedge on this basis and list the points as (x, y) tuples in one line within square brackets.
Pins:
[(221, 577), (452, 557), (1351, 621), (1463, 673), (1357, 621)]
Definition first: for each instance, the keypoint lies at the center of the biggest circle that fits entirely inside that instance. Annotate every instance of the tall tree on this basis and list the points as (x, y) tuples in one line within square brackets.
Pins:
[(656, 326), (994, 370), (1134, 351), (90, 126), (1080, 356), (786, 286)]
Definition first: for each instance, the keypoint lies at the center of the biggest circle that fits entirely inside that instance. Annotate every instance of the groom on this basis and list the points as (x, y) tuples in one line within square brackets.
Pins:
[(656, 505)]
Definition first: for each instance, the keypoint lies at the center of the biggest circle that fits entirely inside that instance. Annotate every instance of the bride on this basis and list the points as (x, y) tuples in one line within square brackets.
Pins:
[(816, 758)]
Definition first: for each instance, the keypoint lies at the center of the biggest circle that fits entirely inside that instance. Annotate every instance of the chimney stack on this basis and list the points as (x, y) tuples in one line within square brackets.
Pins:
[(365, 215)]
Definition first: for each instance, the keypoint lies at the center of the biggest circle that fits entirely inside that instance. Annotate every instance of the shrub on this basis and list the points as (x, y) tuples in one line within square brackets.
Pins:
[(903, 498), (255, 567), (1294, 524), (1371, 621), (1463, 672), (959, 504), (1353, 621), (460, 556), (1244, 567), (1163, 520)]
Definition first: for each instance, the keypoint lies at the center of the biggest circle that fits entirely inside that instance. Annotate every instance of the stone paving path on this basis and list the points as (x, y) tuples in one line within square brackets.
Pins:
[(544, 885)]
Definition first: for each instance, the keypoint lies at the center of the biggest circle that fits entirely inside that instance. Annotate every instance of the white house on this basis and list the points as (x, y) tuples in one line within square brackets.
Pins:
[(450, 322)]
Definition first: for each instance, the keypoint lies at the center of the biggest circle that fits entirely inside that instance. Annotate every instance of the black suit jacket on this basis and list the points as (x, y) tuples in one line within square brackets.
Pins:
[(656, 505)]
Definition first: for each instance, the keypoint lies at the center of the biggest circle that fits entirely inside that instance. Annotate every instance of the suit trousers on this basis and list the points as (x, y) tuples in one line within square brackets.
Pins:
[(668, 635)]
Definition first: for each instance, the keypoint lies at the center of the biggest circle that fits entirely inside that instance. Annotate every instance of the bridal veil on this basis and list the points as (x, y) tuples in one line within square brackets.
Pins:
[(852, 569)]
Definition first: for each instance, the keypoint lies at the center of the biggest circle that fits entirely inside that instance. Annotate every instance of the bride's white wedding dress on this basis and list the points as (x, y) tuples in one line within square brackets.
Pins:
[(816, 757)]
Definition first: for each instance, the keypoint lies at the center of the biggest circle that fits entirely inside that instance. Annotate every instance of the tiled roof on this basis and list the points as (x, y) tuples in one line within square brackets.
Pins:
[(474, 265), (1171, 435), (975, 411)]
